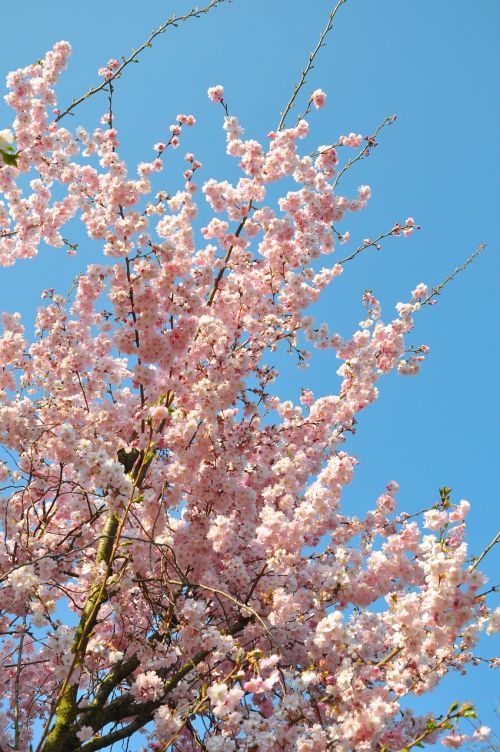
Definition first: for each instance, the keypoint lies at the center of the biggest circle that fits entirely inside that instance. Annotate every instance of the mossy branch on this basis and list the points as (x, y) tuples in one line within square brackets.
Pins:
[(126, 707), (60, 737)]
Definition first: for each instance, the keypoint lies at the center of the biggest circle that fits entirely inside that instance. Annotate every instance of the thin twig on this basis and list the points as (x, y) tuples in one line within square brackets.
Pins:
[(488, 548), (396, 230), (365, 151), (136, 337), (193, 437), (83, 391), (309, 66), (172, 21), (437, 290), (443, 724)]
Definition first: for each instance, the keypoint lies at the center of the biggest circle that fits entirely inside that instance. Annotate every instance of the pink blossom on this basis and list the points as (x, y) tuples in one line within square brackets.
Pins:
[(257, 685), (216, 93), (352, 140), (460, 512), (482, 733), (494, 622), (318, 98), (159, 413), (307, 397), (147, 686), (420, 291), (85, 733), (434, 519), (6, 139), (454, 740), (223, 699)]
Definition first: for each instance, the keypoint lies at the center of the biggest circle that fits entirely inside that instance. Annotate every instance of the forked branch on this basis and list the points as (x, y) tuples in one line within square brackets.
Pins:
[(172, 21), (310, 64)]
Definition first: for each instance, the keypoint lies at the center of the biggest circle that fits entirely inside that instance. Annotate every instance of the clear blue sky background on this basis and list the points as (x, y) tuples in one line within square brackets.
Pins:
[(434, 64)]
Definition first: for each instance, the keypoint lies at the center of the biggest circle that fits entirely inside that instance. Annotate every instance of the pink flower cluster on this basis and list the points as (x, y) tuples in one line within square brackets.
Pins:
[(352, 140), (109, 70)]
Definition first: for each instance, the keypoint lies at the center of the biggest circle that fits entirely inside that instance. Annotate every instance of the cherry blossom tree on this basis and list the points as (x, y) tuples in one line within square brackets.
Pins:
[(174, 560)]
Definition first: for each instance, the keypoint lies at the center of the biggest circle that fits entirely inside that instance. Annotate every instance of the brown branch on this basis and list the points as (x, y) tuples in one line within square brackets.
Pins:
[(99, 742), (125, 707), (437, 290), (389, 657), (112, 680), (395, 231), (488, 548), (193, 711), (223, 268), (172, 21), (309, 66), (83, 391), (465, 711), (136, 333), (365, 151)]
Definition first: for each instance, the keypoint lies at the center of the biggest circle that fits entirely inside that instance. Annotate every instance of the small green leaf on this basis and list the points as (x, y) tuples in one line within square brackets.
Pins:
[(469, 714), (9, 158), (445, 494), (467, 711)]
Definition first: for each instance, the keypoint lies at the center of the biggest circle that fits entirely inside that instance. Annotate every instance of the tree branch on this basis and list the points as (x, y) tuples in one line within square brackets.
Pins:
[(488, 548), (437, 290), (172, 21), (309, 66), (125, 706)]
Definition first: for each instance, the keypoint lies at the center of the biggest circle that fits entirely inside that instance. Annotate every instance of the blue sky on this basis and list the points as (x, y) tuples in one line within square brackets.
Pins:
[(435, 65)]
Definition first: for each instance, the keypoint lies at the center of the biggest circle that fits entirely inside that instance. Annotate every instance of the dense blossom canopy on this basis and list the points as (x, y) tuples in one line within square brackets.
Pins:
[(173, 555)]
